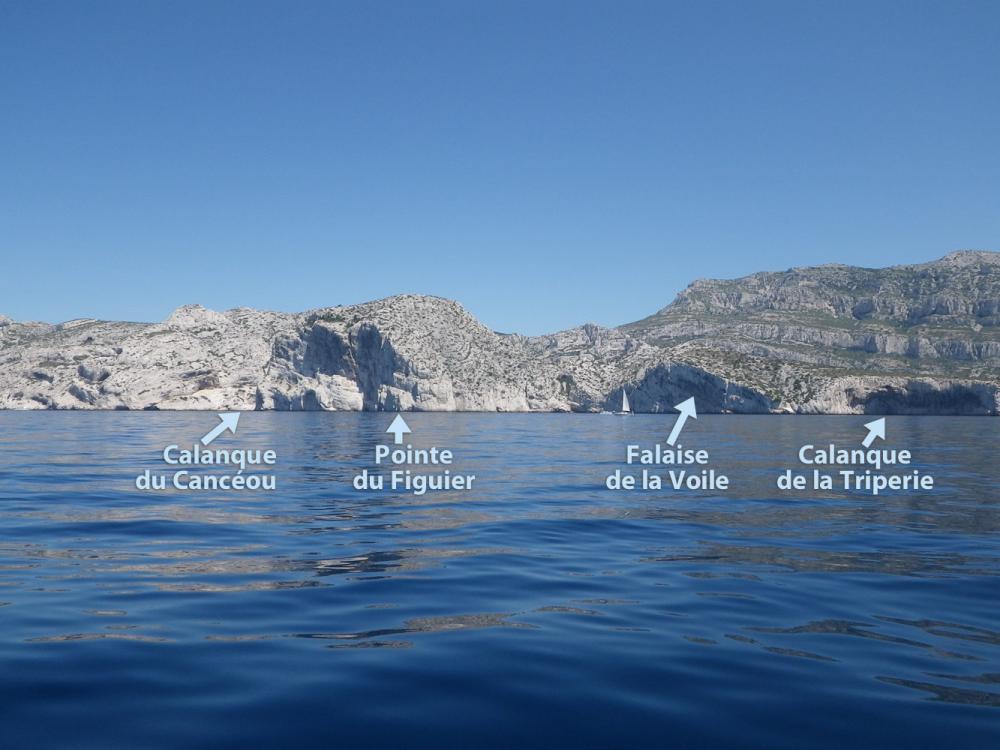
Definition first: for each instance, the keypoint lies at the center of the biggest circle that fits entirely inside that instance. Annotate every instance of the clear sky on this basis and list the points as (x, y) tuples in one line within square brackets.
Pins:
[(544, 163)]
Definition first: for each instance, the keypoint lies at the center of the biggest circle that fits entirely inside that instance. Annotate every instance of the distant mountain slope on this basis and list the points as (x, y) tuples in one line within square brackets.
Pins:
[(830, 339), (792, 332)]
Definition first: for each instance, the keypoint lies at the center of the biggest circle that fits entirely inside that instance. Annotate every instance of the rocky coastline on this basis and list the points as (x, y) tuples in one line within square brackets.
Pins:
[(915, 339)]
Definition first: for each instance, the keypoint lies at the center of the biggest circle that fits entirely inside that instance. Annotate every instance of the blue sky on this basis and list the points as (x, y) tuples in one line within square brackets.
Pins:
[(544, 163)]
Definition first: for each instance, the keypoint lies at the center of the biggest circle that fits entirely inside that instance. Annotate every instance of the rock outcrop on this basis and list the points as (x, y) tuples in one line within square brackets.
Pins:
[(831, 339)]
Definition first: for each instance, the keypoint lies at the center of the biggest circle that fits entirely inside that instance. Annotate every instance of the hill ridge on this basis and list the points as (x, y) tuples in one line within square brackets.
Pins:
[(919, 338)]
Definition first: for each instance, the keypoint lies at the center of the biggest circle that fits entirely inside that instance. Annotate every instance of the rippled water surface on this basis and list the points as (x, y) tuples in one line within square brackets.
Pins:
[(540, 609)]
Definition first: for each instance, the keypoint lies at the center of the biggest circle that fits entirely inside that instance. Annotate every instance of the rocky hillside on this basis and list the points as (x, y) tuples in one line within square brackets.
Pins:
[(922, 337), (831, 339)]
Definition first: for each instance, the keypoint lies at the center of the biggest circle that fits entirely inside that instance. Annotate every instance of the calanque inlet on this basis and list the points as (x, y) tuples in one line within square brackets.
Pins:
[(914, 339)]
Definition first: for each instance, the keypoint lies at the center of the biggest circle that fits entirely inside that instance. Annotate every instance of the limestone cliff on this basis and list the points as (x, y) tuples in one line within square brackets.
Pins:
[(831, 339)]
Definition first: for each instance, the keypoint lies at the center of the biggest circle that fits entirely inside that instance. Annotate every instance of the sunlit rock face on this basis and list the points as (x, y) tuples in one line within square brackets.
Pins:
[(831, 339)]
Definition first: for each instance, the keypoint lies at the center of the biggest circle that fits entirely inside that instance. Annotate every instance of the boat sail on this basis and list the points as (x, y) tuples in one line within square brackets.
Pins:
[(626, 408)]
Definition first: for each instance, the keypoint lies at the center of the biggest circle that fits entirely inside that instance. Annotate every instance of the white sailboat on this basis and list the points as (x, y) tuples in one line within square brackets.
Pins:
[(626, 407)]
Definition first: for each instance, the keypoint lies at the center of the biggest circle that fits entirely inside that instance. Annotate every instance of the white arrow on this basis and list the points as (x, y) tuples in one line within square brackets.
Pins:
[(876, 429), (398, 428), (228, 422), (686, 409)]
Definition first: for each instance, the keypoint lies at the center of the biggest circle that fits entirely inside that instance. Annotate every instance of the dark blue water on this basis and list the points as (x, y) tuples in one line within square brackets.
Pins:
[(540, 609)]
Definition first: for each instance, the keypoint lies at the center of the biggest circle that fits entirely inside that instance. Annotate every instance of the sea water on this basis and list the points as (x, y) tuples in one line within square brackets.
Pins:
[(536, 609)]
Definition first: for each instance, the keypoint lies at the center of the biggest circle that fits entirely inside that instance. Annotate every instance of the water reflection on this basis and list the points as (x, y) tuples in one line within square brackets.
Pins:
[(539, 568)]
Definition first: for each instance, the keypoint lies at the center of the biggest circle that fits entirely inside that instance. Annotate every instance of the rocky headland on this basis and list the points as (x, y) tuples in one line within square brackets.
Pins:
[(919, 339)]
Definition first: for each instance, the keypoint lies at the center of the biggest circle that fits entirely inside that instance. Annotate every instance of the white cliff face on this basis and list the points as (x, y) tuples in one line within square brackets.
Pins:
[(920, 339), (196, 359)]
